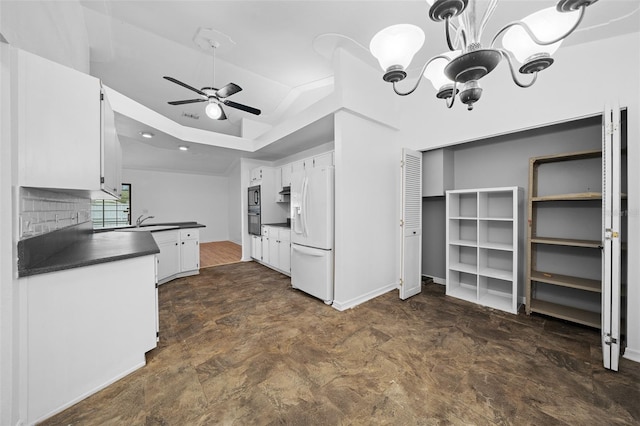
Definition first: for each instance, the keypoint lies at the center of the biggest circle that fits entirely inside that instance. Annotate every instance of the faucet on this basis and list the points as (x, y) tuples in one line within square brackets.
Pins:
[(140, 219)]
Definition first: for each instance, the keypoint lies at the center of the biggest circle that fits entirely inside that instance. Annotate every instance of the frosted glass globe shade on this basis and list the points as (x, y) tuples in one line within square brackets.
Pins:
[(431, 2), (396, 45), (213, 111), (547, 24), (435, 70)]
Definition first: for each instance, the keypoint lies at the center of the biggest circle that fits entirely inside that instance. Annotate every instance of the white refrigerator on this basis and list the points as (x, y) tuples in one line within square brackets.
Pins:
[(312, 218)]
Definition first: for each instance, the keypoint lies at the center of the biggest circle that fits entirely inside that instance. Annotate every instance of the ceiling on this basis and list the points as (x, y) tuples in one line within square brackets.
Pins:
[(279, 52)]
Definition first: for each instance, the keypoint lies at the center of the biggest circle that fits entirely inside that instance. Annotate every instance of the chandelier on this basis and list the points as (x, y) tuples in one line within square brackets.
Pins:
[(530, 42)]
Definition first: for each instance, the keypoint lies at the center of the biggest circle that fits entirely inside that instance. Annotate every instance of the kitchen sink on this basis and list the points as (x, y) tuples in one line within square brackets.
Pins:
[(151, 228)]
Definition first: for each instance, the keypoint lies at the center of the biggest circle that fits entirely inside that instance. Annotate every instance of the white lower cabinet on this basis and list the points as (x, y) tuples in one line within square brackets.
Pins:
[(284, 249), (256, 247), (179, 253), (169, 256), (276, 248), (85, 328), (189, 250)]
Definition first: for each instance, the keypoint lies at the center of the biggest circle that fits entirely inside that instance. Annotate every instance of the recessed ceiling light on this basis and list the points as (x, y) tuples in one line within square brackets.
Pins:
[(147, 135), (183, 148)]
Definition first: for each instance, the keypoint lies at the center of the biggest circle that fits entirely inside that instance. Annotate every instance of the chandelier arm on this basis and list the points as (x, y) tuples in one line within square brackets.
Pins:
[(420, 77), (448, 34), (514, 76), (533, 36), (453, 96)]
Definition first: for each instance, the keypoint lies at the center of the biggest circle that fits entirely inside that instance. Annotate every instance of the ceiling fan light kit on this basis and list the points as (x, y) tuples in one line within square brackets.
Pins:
[(215, 98), (531, 42)]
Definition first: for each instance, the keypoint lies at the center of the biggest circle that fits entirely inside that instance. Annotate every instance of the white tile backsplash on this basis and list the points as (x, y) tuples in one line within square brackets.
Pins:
[(43, 211)]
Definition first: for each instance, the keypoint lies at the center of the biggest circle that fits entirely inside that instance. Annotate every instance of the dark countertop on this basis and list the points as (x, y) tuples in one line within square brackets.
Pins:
[(280, 225), (80, 245), (95, 248)]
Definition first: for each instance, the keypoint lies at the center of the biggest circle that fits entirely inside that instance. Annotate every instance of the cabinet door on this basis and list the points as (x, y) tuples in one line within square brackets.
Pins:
[(274, 247), (256, 175), (168, 259), (266, 253), (286, 175), (110, 155), (284, 250), (58, 116), (189, 255), (325, 159), (297, 166), (256, 247)]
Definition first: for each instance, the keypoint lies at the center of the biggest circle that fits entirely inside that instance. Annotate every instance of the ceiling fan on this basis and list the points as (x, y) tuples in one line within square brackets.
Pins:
[(215, 97)]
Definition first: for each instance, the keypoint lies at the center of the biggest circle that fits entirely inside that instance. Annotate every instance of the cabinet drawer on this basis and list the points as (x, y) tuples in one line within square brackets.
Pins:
[(189, 234)]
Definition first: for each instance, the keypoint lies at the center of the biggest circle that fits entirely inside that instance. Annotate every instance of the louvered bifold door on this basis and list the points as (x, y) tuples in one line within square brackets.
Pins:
[(411, 224), (611, 254)]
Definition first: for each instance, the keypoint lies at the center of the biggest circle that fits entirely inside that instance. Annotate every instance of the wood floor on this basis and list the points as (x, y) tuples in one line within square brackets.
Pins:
[(219, 253), (239, 346)]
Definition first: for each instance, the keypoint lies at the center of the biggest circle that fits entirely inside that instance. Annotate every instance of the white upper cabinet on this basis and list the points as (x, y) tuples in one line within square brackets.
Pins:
[(297, 166), (60, 128), (286, 175), (255, 175), (325, 159), (111, 152)]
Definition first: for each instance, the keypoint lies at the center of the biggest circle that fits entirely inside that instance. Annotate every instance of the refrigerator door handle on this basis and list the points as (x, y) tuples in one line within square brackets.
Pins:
[(303, 215), (307, 251)]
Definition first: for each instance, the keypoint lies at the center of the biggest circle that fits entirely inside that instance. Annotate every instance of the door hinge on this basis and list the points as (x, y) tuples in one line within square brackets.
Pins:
[(401, 222), (101, 179), (610, 234), (401, 282), (102, 96), (157, 334), (608, 340), (612, 127), (156, 285), (401, 163)]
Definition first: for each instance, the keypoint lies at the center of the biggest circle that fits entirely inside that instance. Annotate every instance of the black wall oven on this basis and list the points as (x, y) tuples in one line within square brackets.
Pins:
[(253, 213)]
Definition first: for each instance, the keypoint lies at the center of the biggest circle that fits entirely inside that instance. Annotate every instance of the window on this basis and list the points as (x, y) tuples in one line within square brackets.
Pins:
[(111, 213)]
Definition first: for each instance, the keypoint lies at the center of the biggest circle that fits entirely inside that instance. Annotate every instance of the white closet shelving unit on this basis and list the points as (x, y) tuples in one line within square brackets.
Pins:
[(482, 246)]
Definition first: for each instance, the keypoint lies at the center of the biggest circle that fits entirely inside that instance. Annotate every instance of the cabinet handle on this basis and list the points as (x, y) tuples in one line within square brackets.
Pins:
[(183, 243), (176, 243)]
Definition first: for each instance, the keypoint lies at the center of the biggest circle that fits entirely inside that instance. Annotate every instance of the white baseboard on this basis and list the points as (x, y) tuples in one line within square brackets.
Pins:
[(437, 280), (343, 306), (632, 354)]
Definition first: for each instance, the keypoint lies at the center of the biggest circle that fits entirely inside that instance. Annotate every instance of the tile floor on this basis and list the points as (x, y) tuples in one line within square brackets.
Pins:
[(239, 346)]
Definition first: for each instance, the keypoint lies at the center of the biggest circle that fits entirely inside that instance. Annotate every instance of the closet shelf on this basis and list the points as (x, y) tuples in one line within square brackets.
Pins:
[(567, 281), (566, 242), (569, 197), (580, 316)]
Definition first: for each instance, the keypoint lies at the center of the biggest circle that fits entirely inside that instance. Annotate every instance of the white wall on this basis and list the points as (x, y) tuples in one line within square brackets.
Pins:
[(9, 291), (52, 29), (180, 197), (235, 204), (367, 212)]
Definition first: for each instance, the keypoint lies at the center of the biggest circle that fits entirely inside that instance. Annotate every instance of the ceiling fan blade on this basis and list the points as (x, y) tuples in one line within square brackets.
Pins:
[(188, 101), (185, 85), (223, 116), (228, 90), (242, 107)]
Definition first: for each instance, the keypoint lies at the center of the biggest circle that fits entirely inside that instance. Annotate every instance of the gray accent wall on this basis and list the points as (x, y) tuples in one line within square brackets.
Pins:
[(498, 162)]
